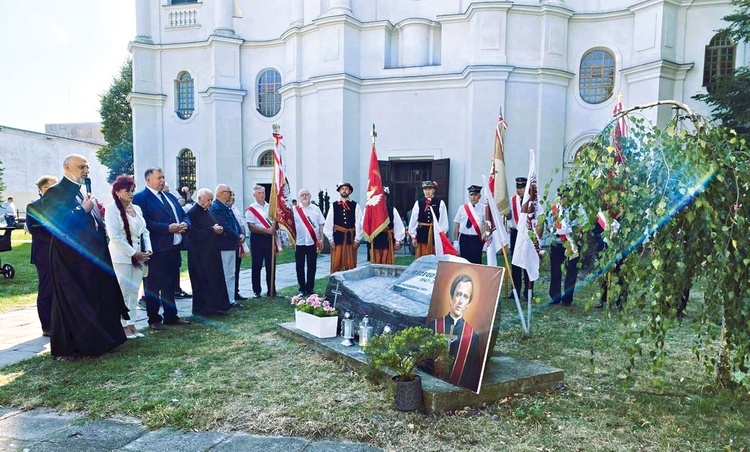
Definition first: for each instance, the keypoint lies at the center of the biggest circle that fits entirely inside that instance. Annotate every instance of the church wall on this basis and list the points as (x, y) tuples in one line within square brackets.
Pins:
[(27, 155), (263, 20)]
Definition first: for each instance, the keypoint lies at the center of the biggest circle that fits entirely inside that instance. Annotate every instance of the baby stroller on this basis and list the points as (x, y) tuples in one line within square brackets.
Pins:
[(6, 270)]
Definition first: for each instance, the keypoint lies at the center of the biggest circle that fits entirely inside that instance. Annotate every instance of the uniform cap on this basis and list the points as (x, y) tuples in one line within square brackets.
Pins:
[(344, 184)]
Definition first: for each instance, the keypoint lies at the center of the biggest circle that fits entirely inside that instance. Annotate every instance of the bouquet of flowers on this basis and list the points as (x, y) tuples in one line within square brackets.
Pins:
[(319, 307)]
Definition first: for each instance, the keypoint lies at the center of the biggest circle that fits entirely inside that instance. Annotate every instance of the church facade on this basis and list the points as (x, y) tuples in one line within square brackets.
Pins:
[(211, 78)]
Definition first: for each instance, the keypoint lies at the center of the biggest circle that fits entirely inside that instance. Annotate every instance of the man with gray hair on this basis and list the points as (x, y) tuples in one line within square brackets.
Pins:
[(230, 239), (308, 222), (261, 234)]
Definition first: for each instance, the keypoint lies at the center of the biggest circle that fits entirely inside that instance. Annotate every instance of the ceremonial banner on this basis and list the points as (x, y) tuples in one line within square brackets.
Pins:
[(527, 243), (499, 237), (443, 246), (497, 183), (375, 219), (619, 131), (280, 209)]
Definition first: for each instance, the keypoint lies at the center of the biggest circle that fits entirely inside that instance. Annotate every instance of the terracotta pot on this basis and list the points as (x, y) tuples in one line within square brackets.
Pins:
[(408, 394)]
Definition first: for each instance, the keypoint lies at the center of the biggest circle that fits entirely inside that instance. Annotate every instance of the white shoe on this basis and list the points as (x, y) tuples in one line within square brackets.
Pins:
[(131, 336), (139, 335)]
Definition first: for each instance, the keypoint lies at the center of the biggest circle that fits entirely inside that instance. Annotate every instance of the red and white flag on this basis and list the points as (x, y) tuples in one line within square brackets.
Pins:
[(497, 183), (619, 132), (499, 237), (280, 209), (375, 219), (527, 251), (443, 246)]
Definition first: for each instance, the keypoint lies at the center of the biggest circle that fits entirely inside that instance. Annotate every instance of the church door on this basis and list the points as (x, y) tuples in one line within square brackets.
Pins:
[(405, 181)]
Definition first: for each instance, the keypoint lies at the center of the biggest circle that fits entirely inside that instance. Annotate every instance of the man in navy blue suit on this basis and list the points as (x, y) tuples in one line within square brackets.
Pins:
[(230, 239), (165, 222)]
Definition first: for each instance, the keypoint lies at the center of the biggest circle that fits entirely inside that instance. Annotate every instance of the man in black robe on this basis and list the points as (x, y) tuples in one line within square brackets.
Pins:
[(210, 296), (87, 302)]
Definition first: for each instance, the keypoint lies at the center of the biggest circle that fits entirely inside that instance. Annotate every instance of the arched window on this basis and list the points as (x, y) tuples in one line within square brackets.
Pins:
[(186, 169), (596, 79), (266, 159), (719, 61), (184, 95), (269, 98)]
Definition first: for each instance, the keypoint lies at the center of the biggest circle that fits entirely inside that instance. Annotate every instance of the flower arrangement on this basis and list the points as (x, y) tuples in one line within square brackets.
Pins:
[(315, 305)]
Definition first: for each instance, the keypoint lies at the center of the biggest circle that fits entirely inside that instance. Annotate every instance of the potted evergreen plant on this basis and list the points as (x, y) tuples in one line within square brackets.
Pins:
[(403, 352), (324, 203)]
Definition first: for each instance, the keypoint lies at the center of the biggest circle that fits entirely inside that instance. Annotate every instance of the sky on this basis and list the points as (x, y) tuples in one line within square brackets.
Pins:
[(58, 56)]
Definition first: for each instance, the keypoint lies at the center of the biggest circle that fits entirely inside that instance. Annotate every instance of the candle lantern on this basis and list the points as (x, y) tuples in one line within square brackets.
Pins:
[(365, 332), (347, 329)]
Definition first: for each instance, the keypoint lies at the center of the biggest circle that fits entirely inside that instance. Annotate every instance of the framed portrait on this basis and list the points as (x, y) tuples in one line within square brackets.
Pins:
[(462, 307)]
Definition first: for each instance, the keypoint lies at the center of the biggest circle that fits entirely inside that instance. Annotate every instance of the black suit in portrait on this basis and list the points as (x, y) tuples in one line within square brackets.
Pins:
[(204, 264), (164, 264), (87, 303), (40, 244)]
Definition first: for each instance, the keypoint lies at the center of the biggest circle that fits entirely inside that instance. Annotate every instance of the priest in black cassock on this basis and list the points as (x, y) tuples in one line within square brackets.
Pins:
[(87, 302), (210, 295)]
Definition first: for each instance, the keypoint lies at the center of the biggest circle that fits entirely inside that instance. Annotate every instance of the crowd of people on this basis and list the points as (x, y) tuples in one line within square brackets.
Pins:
[(91, 259)]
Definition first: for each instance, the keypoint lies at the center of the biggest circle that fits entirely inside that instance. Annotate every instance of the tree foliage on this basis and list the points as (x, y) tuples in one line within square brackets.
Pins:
[(731, 99), (682, 201), (117, 124), (2, 182)]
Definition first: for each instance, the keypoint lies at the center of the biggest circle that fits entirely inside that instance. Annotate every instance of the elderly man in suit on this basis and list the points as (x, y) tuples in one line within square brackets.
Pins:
[(166, 224), (231, 237)]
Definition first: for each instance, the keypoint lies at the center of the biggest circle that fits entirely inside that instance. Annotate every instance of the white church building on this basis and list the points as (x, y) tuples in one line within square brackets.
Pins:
[(210, 79)]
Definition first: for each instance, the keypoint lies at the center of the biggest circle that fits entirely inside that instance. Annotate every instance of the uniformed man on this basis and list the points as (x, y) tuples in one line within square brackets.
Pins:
[(515, 214), (468, 232), (343, 229), (385, 244), (421, 223)]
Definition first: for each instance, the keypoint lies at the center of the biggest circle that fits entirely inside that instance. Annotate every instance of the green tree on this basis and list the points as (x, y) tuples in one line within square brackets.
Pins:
[(2, 182), (681, 198), (731, 99), (117, 124)]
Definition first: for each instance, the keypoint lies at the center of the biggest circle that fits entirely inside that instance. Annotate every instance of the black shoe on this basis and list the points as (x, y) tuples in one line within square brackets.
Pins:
[(67, 359), (182, 294), (236, 305), (257, 295), (45, 333), (178, 322), (237, 296), (302, 294), (141, 304)]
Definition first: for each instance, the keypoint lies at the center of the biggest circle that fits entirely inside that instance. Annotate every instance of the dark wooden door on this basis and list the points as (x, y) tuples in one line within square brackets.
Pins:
[(405, 180)]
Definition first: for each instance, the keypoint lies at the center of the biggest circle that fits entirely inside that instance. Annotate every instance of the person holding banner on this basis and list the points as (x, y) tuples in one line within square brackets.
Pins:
[(261, 234), (343, 229), (308, 222), (467, 234), (421, 228), (385, 244), (563, 251)]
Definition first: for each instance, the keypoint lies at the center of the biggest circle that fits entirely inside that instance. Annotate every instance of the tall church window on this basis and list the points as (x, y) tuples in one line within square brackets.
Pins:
[(719, 60), (266, 159), (596, 79), (186, 169), (184, 94), (269, 98)]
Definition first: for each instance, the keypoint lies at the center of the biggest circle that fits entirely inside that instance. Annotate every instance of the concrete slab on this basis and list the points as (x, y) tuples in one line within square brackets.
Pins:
[(504, 375), (35, 425), (15, 445), (253, 443), (175, 441), (107, 434), (13, 356)]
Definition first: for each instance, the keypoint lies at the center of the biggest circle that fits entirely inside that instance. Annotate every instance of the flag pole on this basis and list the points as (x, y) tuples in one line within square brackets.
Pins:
[(515, 293), (272, 271), (272, 289)]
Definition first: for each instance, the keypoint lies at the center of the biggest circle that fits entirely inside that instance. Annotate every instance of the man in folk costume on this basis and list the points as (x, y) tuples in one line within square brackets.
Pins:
[(563, 251), (469, 221), (421, 228), (513, 218), (308, 222), (387, 242), (261, 243), (464, 341), (343, 229)]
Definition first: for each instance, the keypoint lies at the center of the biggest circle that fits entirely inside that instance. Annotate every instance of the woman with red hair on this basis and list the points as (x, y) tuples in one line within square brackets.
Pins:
[(129, 245)]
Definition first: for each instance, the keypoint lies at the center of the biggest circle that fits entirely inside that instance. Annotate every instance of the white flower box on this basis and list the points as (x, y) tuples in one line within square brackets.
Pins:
[(322, 327)]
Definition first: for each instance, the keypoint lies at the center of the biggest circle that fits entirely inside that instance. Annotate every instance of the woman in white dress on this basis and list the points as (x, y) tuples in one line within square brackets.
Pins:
[(129, 245)]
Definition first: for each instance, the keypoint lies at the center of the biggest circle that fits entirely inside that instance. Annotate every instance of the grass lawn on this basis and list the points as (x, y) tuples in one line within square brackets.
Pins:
[(237, 374)]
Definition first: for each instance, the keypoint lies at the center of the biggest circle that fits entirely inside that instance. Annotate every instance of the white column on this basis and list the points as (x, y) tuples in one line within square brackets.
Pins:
[(340, 7), (143, 21), (224, 14), (298, 13)]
